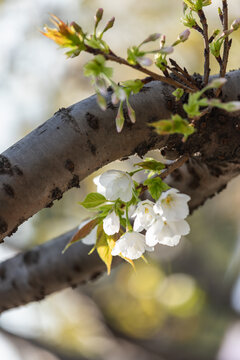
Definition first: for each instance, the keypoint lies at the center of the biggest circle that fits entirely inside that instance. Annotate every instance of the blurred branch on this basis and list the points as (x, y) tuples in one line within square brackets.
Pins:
[(32, 275), (23, 343)]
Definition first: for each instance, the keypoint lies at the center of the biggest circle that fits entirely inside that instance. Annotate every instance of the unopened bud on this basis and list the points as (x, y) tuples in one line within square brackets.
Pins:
[(109, 24), (236, 24), (216, 83), (167, 50), (77, 28), (98, 16), (162, 41), (144, 61), (184, 35), (152, 37)]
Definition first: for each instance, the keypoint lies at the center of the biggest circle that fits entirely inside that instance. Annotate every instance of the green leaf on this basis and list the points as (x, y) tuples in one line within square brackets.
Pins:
[(132, 86), (97, 43), (134, 53), (197, 5), (174, 125), (104, 246), (156, 186), (188, 20), (96, 67), (160, 61), (151, 164), (215, 47), (178, 93), (93, 200)]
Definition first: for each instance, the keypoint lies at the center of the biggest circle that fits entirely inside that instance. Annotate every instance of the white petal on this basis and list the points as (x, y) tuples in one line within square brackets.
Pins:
[(172, 205), (152, 234), (100, 189), (117, 184), (130, 245), (170, 241), (111, 223)]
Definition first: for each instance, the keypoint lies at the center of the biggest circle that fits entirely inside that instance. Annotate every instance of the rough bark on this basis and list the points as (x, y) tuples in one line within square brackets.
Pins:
[(74, 143), (78, 140)]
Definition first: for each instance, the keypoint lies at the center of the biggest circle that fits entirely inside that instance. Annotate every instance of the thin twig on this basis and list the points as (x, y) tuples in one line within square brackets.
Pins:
[(113, 57), (198, 28), (183, 78), (204, 23), (185, 73), (223, 68), (177, 164)]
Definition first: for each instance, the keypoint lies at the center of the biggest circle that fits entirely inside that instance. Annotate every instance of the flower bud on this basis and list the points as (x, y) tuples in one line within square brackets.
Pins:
[(144, 61), (98, 16), (184, 35), (216, 83), (236, 24)]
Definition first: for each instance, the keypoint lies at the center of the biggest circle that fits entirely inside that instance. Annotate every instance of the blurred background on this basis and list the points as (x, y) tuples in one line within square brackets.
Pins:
[(185, 304)]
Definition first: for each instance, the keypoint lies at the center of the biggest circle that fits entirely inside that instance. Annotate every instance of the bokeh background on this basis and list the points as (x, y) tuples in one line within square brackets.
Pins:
[(185, 304)]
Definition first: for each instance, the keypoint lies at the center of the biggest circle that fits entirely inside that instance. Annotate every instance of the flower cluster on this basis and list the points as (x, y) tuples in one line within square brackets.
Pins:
[(126, 225)]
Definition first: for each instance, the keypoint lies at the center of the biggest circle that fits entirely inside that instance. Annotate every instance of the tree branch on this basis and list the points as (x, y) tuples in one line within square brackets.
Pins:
[(204, 23), (71, 145), (32, 275)]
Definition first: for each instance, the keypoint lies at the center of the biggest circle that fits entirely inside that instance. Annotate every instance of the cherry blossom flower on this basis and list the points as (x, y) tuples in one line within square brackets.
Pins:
[(144, 215), (111, 223), (114, 184), (166, 232), (131, 245), (172, 205)]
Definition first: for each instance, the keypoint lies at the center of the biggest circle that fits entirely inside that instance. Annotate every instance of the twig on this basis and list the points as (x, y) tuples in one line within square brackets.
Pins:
[(198, 28), (177, 164), (113, 57), (223, 68), (204, 23), (183, 78), (184, 72)]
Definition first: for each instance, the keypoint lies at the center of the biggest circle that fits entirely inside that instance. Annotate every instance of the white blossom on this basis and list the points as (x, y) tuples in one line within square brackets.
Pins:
[(131, 245), (114, 184), (144, 215), (111, 223), (166, 232), (172, 205)]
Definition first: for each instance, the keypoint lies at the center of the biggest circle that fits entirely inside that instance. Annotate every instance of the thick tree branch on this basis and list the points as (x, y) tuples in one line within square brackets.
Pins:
[(72, 144)]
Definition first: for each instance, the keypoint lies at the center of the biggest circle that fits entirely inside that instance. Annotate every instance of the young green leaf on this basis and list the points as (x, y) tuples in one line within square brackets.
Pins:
[(151, 164), (97, 67), (156, 186), (174, 125), (93, 200), (178, 93)]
